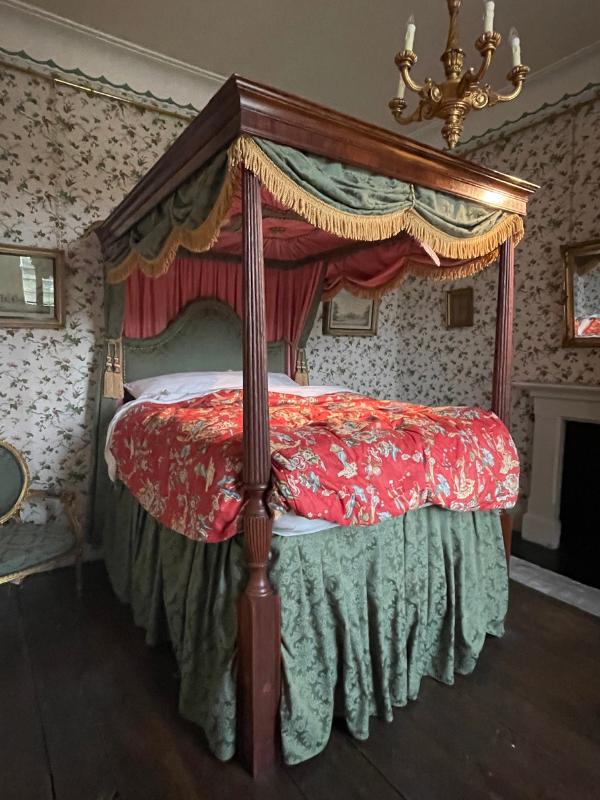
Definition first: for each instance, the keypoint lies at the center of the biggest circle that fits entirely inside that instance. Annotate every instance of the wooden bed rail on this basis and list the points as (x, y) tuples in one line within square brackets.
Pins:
[(259, 620), (503, 357)]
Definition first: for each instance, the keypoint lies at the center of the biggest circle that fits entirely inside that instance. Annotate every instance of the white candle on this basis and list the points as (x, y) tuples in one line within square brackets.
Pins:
[(401, 88), (411, 28), (515, 43), (488, 16)]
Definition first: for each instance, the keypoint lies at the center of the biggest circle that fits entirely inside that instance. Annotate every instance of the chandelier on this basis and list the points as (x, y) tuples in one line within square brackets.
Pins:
[(461, 92)]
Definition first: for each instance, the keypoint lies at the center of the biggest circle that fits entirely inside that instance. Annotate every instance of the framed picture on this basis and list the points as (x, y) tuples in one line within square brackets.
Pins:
[(347, 315), (31, 288), (582, 294), (459, 308)]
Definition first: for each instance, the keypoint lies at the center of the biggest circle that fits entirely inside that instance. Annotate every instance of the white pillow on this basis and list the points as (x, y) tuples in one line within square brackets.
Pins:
[(182, 385)]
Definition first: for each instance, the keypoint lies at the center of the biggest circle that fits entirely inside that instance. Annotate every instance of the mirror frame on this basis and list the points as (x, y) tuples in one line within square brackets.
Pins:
[(569, 251), (20, 458), (58, 320)]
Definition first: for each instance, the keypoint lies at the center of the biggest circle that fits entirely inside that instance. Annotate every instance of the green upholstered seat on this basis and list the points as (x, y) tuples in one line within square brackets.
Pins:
[(14, 479)]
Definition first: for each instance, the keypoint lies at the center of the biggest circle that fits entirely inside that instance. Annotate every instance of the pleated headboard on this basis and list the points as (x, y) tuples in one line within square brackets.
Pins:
[(206, 336)]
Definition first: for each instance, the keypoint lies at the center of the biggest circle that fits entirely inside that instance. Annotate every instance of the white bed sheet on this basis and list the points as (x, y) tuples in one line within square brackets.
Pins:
[(293, 525)]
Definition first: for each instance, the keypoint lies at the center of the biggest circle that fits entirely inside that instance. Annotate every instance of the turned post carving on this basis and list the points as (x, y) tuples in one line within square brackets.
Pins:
[(258, 608), (503, 356), (257, 451)]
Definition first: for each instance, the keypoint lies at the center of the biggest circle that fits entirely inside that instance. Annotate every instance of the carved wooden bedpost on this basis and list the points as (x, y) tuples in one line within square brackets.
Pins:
[(258, 608), (503, 357)]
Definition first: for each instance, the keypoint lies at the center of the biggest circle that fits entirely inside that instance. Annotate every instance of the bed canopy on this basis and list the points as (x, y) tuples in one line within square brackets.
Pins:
[(270, 203), (328, 222)]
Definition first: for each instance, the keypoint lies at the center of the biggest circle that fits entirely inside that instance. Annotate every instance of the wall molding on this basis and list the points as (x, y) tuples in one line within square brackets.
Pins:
[(554, 404), (47, 39)]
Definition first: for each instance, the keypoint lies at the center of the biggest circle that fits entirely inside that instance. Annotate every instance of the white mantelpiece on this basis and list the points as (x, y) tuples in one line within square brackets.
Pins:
[(553, 405)]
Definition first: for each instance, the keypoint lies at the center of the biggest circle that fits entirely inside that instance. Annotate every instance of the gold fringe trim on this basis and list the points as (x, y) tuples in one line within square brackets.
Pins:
[(196, 241), (432, 273), (244, 151), (364, 227)]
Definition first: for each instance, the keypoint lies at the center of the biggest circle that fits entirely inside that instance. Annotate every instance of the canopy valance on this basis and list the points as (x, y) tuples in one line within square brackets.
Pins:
[(318, 211)]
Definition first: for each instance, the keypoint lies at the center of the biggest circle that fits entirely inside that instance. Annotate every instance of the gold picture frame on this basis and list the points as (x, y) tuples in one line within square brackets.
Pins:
[(347, 315), (32, 287), (459, 308), (575, 257), (26, 480)]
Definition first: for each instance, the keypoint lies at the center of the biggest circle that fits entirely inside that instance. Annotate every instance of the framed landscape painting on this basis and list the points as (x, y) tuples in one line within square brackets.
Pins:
[(31, 288), (459, 308), (347, 315)]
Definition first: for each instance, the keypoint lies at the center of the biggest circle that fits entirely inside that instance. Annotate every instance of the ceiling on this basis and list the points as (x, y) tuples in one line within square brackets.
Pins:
[(338, 52)]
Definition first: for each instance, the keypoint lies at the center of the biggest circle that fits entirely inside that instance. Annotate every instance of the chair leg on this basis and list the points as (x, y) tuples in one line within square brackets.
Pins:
[(68, 499)]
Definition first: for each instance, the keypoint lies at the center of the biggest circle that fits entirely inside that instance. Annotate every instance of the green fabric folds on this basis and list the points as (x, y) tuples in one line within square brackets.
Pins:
[(366, 614), (357, 191), (187, 209)]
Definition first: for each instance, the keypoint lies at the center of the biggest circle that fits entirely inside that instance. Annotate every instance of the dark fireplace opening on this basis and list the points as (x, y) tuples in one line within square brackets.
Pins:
[(578, 555), (579, 551)]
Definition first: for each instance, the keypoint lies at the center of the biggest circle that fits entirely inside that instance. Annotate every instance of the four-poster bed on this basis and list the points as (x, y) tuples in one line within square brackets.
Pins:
[(277, 202)]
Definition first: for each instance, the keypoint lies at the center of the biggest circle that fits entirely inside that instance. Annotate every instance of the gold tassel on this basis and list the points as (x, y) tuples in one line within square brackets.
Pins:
[(301, 377), (113, 369), (108, 373)]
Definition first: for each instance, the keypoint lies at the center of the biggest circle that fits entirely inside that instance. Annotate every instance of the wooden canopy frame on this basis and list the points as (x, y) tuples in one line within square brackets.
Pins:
[(244, 107)]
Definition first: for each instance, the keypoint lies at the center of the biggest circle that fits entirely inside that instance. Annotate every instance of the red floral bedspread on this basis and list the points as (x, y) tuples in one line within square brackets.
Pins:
[(342, 457)]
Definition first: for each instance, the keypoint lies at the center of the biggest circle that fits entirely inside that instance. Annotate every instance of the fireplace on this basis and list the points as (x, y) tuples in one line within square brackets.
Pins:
[(580, 503), (555, 407)]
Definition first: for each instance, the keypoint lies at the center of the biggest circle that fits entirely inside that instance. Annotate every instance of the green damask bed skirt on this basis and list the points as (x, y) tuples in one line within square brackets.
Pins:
[(366, 614)]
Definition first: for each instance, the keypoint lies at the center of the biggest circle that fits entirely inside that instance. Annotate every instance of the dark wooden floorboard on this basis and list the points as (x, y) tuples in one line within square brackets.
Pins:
[(525, 724), (342, 771), (110, 704), (24, 768), (87, 708)]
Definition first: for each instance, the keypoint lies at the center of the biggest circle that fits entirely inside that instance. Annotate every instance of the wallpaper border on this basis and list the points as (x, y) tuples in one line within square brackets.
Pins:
[(525, 120), (101, 79), (510, 126)]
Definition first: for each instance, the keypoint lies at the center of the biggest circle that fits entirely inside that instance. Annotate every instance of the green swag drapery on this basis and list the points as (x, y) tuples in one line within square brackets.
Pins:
[(366, 613), (349, 202)]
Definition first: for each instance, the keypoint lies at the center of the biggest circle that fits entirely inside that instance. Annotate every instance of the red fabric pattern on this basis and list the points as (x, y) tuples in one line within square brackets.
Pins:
[(346, 458)]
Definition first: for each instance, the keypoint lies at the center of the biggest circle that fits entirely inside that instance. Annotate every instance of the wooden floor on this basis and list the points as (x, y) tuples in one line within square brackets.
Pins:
[(88, 712)]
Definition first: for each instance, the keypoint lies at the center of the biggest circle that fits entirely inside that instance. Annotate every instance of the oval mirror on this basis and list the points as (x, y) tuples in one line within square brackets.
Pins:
[(14, 481)]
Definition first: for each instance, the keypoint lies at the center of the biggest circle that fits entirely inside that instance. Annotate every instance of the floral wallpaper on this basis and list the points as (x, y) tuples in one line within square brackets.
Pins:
[(422, 361), (66, 160), (366, 364)]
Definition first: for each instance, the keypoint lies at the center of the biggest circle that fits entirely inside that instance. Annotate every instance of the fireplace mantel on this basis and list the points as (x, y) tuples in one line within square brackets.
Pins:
[(553, 405)]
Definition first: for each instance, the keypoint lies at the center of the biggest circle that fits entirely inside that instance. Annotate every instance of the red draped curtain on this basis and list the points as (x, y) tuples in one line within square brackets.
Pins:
[(152, 303)]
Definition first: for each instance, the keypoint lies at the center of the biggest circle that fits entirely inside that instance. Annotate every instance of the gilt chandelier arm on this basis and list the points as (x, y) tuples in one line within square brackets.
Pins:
[(463, 90)]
